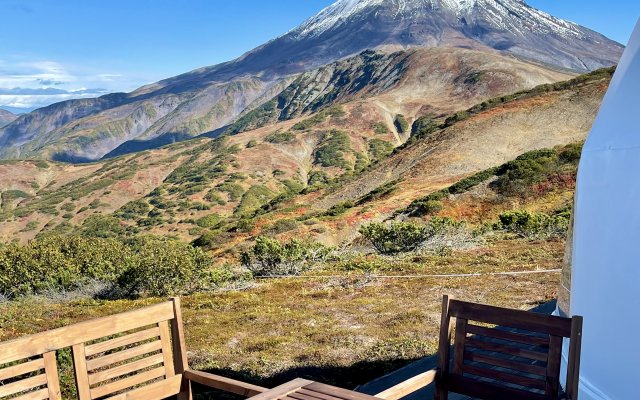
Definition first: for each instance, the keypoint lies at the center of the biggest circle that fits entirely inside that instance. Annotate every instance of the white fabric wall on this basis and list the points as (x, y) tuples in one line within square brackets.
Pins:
[(605, 281)]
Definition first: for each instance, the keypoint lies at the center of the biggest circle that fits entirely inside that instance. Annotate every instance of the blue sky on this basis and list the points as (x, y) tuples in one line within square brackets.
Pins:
[(55, 50)]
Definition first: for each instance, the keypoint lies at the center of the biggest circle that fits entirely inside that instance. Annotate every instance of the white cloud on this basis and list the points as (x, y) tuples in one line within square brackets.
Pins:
[(29, 84)]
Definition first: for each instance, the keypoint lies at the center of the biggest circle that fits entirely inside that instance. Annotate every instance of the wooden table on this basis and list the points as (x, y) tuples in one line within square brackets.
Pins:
[(303, 389)]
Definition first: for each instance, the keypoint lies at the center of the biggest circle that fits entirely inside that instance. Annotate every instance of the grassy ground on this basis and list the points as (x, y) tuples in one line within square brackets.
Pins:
[(346, 328)]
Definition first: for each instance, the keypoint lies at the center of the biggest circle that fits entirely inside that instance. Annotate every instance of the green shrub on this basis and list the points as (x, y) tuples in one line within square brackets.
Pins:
[(269, 257), (281, 226), (208, 221), (213, 196), (401, 124), (424, 126), (167, 267), (42, 164), (234, 190), (56, 263), (400, 237), (253, 199), (280, 137), (102, 226), (379, 128), (332, 150), (68, 207), (251, 143), (533, 225), (339, 208), (379, 149)]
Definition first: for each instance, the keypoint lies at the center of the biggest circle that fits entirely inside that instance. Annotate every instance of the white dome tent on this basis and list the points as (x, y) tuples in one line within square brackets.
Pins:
[(605, 254)]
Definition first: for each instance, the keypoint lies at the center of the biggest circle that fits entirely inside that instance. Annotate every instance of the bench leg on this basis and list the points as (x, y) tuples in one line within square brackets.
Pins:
[(185, 390)]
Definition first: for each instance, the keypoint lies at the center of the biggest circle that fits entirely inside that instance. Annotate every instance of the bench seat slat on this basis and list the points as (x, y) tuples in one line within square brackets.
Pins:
[(96, 348)]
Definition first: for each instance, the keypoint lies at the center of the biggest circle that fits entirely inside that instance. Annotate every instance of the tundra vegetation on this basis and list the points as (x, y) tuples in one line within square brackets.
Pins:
[(337, 320), (274, 305)]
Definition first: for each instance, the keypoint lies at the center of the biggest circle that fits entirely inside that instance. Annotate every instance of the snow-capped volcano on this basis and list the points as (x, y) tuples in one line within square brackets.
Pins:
[(349, 26), (207, 99)]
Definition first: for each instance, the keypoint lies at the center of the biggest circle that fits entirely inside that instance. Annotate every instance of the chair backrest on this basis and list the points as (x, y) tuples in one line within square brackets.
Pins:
[(133, 355), (506, 354)]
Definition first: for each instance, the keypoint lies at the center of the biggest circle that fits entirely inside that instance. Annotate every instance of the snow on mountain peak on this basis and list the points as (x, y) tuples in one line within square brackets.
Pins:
[(513, 15)]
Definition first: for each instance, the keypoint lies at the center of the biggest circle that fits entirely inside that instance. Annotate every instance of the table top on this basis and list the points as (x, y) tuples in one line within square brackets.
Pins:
[(303, 389)]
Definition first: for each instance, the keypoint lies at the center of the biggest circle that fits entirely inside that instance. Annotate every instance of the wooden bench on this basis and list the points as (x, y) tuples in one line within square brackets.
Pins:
[(519, 359), (136, 355)]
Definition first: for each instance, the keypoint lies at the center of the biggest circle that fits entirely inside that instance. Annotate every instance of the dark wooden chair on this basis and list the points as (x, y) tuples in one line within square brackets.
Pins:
[(518, 359)]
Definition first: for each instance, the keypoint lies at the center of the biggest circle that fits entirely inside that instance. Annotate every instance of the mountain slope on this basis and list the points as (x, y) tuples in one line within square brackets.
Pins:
[(210, 98), (214, 187), (6, 117)]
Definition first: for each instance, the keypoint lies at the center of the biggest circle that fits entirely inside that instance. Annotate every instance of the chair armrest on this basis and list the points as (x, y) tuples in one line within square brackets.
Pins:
[(409, 386), (222, 383)]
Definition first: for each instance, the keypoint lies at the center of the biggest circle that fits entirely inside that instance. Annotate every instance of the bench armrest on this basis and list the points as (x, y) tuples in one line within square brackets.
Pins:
[(222, 383), (409, 386)]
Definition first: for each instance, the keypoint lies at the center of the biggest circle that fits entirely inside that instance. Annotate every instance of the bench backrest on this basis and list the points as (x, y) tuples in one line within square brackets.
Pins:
[(133, 355), (520, 358), (32, 376)]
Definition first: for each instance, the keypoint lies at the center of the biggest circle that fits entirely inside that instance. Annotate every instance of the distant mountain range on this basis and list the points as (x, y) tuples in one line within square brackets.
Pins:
[(6, 117), (214, 100)]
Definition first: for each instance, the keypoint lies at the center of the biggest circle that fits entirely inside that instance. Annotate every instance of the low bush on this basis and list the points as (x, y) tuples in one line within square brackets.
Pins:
[(400, 237), (208, 221), (332, 150), (280, 137), (145, 266), (530, 225), (164, 267), (401, 123), (379, 128), (269, 257)]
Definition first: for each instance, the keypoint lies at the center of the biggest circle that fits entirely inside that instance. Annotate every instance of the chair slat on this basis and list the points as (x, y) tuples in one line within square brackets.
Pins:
[(122, 341), (506, 349), (485, 390), (126, 383), (504, 377), (123, 355), (542, 323), (125, 369), (23, 385), (553, 366), (21, 369), (153, 391), (509, 336), (505, 363), (459, 343), (42, 394)]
